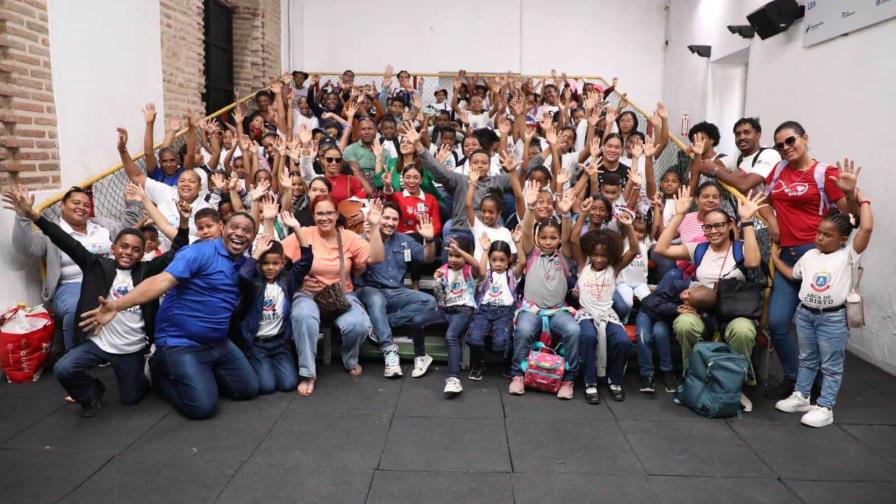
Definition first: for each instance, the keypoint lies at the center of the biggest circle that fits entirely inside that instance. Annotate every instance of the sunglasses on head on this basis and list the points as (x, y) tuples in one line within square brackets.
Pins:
[(332, 159), (789, 141), (718, 226)]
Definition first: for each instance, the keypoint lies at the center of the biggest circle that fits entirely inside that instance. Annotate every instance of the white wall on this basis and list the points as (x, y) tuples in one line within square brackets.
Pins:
[(107, 63), (838, 90), (530, 36)]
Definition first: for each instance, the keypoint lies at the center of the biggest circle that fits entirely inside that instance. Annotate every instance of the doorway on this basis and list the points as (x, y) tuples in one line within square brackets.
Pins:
[(218, 55), (728, 95)]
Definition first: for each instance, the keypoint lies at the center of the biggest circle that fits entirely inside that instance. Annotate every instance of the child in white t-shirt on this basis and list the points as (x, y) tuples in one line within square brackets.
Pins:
[(632, 281), (826, 275)]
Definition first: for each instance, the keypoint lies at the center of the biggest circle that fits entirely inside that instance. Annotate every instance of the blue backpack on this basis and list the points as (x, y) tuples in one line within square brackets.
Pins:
[(737, 251), (713, 380)]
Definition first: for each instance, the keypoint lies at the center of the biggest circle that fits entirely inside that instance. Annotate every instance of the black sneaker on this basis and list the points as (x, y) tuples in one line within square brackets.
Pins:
[(507, 371), (648, 386), (592, 396), (93, 407), (782, 390), (617, 393), (477, 369), (671, 380)]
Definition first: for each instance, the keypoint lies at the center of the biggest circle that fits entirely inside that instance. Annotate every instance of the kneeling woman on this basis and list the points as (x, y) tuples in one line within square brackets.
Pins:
[(724, 258), (121, 342), (339, 255)]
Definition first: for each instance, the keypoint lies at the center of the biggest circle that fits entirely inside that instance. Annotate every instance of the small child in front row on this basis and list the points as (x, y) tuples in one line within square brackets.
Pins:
[(672, 297), (267, 295), (455, 291), (821, 325), (632, 281), (497, 301)]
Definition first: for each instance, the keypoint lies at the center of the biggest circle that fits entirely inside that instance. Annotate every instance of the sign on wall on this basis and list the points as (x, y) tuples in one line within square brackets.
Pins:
[(827, 19)]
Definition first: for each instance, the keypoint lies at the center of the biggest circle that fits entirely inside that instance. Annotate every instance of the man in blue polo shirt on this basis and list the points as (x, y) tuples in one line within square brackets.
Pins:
[(389, 303), (194, 356)]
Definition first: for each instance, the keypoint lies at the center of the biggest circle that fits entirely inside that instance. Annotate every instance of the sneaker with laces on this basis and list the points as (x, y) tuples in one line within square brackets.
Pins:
[(782, 390), (818, 416), (452, 387), (393, 365), (795, 403), (591, 394), (617, 393), (671, 382), (648, 385), (477, 370), (421, 365), (566, 391), (517, 385)]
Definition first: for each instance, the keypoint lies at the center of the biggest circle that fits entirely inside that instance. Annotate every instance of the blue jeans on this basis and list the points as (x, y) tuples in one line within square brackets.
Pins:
[(458, 319), (618, 346), (354, 326), (64, 305), (663, 264), (494, 321), (190, 376), (390, 308), (652, 333), (781, 307), (71, 371), (528, 329), (273, 364), (823, 338), (620, 306)]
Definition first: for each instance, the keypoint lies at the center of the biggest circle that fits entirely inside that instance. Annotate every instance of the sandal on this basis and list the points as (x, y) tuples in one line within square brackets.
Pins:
[(356, 371), (306, 388)]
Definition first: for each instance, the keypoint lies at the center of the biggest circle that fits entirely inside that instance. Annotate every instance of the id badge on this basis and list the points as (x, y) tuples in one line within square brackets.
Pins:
[(407, 255)]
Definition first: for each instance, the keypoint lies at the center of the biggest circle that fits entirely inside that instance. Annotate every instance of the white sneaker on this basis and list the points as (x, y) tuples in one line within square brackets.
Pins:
[(393, 365), (818, 416), (794, 404), (452, 387), (421, 365), (746, 403)]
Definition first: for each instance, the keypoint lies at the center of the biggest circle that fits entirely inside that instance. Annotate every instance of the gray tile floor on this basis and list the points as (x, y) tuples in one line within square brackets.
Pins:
[(373, 440)]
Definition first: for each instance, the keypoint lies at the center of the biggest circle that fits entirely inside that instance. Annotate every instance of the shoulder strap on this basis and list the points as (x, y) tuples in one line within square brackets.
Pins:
[(777, 174), (737, 251), (756, 157), (341, 256), (818, 174), (699, 252)]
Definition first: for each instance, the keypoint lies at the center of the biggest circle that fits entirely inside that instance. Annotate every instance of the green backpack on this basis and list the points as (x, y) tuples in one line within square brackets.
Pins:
[(713, 381)]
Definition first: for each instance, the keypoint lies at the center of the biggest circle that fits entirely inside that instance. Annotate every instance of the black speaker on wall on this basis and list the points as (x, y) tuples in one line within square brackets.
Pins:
[(775, 17)]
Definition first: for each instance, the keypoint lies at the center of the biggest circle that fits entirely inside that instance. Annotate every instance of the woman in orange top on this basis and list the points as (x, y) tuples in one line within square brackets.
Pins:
[(354, 324)]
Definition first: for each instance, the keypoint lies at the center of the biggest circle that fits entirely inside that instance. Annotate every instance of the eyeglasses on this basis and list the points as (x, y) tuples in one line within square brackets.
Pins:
[(332, 160), (789, 141), (718, 226), (325, 214)]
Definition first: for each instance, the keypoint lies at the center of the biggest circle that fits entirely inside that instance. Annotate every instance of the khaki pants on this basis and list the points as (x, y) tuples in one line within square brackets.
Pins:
[(740, 334)]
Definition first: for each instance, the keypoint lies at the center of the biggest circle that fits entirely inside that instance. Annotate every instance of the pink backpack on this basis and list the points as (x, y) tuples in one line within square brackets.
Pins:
[(544, 369)]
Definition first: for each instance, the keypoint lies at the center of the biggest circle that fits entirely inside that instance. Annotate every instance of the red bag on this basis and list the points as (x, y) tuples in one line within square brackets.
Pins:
[(26, 336), (544, 369)]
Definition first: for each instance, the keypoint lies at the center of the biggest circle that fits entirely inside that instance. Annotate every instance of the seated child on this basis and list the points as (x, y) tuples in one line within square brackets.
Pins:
[(632, 281), (268, 288), (672, 297)]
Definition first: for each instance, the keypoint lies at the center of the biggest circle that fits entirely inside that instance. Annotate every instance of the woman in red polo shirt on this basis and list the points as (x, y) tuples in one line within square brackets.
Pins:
[(800, 190)]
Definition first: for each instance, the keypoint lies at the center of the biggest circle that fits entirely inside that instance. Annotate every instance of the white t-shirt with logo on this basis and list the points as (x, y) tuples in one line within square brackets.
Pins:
[(271, 321), (458, 293), (125, 333), (827, 278), (596, 291), (494, 234), (498, 293), (636, 272)]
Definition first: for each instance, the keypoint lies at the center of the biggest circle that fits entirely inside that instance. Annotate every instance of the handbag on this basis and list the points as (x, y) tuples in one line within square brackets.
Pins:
[(331, 300), (855, 307), (738, 298)]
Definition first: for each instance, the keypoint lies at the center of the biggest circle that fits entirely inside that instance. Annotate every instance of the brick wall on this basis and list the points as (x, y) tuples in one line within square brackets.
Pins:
[(183, 56), (256, 43), (28, 144)]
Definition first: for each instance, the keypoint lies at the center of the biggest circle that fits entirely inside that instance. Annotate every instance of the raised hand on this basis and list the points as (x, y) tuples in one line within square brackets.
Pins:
[(149, 112), (407, 129), (269, 207), (658, 201), (260, 191), (233, 182), (276, 87), (637, 149), (262, 245), (656, 120), (474, 176), (280, 146), (425, 227), (133, 192), (661, 110), (244, 141), (289, 220), (748, 208), (611, 117), (20, 202), (594, 147), (635, 177), (649, 147), (562, 178), (624, 218), (375, 213), (586, 205), (699, 144), (517, 234), (485, 242), (387, 76), (377, 147), (173, 124), (122, 139), (285, 180), (184, 209), (509, 162), (551, 136), (443, 154), (849, 175), (682, 201), (566, 201), (305, 135), (530, 192)]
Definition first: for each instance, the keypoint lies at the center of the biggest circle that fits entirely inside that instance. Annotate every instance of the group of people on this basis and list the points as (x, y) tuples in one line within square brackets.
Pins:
[(539, 200)]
